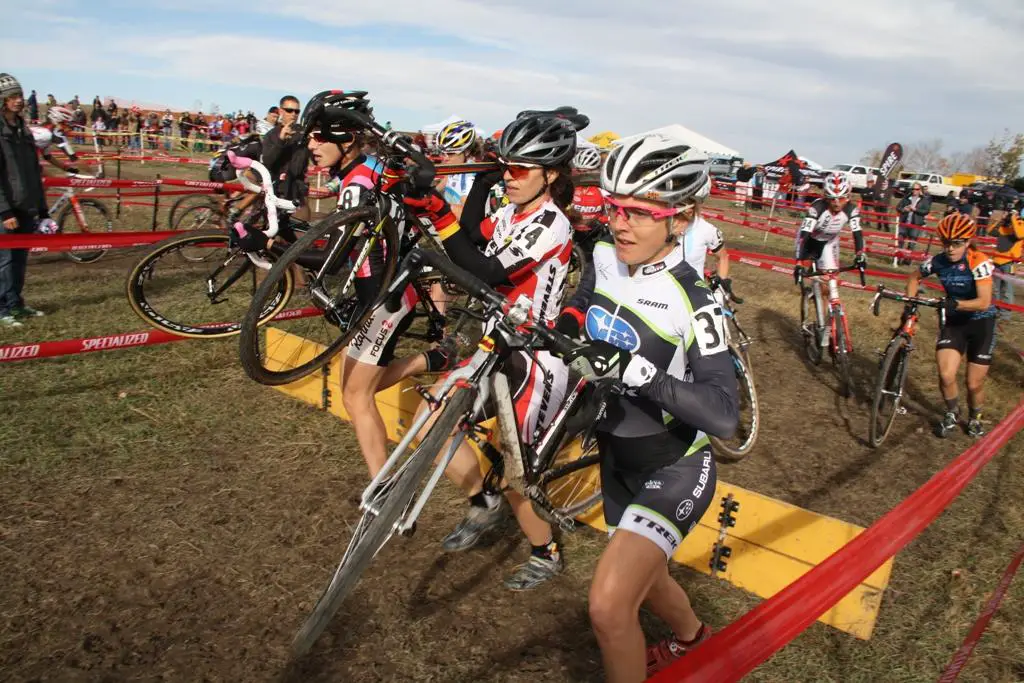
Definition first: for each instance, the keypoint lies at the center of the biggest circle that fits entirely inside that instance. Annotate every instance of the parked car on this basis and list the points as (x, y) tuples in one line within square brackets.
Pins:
[(858, 174), (937, 185), (1003, 196)]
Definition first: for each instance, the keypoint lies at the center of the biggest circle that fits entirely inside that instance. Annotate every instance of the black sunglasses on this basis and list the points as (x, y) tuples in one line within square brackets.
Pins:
[(290, 110)]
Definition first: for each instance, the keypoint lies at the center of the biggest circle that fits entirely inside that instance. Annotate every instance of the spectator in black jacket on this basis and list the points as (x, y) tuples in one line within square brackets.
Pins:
[(285, 155), (986, 205), (912, 210), (22, 200)]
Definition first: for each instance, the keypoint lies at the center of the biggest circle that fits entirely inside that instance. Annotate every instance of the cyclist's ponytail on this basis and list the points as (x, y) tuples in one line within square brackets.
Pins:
[(561, 188)]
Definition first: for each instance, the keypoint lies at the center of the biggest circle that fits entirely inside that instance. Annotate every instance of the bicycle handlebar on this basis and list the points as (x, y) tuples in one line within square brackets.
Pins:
[(272, 202), (814, 272), (885, 293), (417, 259)]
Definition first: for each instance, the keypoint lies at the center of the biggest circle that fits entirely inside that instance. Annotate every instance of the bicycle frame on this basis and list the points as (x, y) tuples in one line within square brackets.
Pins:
[(524, 465), (835, 306)]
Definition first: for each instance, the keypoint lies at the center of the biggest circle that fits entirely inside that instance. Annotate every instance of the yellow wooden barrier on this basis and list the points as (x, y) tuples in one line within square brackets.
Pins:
[(773, 543)]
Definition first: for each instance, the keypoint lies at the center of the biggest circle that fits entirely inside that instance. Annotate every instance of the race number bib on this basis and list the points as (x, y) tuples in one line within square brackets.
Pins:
[(709, 330), (349, 197), (983, 270)]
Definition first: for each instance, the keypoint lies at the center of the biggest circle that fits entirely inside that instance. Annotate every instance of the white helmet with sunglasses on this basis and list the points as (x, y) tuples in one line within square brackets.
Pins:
[(657, 168)]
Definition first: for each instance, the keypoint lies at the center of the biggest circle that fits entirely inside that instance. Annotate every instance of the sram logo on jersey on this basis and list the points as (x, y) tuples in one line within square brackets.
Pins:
[(653, 268), (652, 304), (602, 325)]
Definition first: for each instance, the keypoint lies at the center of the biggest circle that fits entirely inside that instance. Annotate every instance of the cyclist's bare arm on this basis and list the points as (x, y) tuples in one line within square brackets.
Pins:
[(723, 262), (914, 282)]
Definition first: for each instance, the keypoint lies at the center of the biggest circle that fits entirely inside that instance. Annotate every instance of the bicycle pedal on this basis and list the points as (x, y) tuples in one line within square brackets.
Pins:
[(901, 410)]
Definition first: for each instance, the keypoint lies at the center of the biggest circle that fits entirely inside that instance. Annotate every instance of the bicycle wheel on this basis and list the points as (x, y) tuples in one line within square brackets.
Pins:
[(378, 521), (205, 298), (842, 355), (892, 374), (573, 277), (739, 445), (572, 484), (92, 217), (189, 201), (201, 217), (809, 325), (312, 341)]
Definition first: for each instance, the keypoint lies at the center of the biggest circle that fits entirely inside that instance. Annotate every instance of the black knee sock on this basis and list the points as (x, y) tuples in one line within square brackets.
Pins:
[(953, 405)]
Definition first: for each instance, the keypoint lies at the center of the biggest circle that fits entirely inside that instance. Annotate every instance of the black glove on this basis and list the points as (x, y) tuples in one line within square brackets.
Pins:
[(568, 325), (598, 360), (73, 170), (247, 238), (860, 259), (798, 274), (950, 306)]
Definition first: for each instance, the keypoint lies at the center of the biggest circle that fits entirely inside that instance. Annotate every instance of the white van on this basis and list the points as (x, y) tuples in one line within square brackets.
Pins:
[(857, 173)]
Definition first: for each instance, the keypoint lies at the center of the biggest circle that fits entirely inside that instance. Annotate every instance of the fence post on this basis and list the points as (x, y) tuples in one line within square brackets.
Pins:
[(120, 150), (156, 200)]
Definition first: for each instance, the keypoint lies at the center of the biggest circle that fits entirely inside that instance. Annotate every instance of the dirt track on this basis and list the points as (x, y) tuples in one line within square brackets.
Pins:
[(182, 532)]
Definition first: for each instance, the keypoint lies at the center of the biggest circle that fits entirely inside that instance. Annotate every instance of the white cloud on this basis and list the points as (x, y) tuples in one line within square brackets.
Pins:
[(829, 79)]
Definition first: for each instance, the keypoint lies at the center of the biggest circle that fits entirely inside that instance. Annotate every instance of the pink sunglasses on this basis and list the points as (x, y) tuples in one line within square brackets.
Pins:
[(631, 212)]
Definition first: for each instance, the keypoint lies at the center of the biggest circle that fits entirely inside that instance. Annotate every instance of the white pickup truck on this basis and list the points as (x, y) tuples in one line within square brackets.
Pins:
[(857, 173), (938, 186)]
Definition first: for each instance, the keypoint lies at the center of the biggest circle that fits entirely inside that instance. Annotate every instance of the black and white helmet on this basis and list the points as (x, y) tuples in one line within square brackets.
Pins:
[(544, 138), (657, 168)]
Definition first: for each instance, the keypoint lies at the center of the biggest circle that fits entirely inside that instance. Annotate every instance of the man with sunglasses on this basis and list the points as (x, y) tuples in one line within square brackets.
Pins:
[(912, 210), (970, 329), (286, 157)]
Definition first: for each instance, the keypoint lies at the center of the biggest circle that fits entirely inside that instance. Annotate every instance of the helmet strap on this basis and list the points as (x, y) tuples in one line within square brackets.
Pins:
[(670, 238)]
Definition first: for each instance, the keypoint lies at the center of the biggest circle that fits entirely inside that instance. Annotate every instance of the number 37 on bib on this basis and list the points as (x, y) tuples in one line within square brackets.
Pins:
[(709, 329)]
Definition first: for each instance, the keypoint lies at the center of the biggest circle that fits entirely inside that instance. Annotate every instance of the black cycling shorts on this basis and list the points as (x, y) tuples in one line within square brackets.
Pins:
[(976, 338), (662, 505)]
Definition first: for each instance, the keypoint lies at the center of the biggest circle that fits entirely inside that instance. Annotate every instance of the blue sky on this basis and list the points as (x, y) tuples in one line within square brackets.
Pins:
[(828, 79)]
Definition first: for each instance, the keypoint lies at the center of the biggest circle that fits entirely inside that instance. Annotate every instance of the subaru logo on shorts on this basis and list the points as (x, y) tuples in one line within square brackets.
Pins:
[(603, 326), (684, 509)]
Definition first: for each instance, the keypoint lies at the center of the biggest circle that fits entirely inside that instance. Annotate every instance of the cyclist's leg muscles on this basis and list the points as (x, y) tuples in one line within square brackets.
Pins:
[(981, 342), (365, 371), (949, 350), (648, 516)]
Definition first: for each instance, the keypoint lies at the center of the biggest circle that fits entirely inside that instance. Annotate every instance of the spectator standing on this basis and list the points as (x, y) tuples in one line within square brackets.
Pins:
[(79, 124), (869, 200), (198, 132), (22, 199), (33, 107), (167, 124), (986, 205), (268, 122), (97, 103), (75, 103), (1009, 252), (961, 204), (184, 129), (51, 101), (286, 156), (99, 128), (912, 210)]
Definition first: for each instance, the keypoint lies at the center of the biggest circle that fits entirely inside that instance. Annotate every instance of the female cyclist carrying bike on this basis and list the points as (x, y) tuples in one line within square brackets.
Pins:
[(658, 334), (966, 275), (523, 249)]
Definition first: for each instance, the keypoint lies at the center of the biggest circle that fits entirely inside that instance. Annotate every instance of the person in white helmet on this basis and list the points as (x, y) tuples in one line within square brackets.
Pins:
[(655, 334), (818, 239), (53, 133)]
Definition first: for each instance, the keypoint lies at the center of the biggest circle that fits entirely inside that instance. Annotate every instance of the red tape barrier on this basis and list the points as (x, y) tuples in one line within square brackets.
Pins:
[(83, 242), (971, 641), (752, 639), (757, 260), (69, 347)]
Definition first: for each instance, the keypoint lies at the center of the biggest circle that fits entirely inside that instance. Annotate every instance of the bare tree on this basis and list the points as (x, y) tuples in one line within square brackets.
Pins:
[(872, 157), (925, 156), (1004, 155)]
